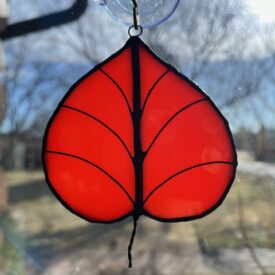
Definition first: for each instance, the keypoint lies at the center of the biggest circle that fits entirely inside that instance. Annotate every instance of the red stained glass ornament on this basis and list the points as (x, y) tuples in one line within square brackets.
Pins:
[(135, 137)]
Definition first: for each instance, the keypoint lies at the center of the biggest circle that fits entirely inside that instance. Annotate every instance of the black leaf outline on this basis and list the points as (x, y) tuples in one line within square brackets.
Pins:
[(134, 42)]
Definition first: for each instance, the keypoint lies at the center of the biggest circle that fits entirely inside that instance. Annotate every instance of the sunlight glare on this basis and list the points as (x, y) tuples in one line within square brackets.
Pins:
[(263, 9)]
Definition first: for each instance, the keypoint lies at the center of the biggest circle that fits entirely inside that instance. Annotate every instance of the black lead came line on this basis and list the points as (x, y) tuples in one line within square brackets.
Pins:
[(139, 156), (171, 119), (153, 88), (183, 171), (119, 88), (96, 166), (103, 124)]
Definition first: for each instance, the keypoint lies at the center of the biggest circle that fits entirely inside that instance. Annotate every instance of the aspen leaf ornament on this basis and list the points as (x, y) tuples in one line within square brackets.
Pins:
[(135, 137)]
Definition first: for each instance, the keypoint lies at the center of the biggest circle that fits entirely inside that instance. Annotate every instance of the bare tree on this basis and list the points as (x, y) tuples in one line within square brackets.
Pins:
[(28, 84), (32, 88), (213, 42)]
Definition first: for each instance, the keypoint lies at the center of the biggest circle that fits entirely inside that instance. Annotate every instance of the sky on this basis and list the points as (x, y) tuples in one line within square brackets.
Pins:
[(263, 9)]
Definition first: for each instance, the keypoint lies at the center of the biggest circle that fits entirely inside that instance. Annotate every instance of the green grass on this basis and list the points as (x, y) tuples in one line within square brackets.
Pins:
[(12, 260)]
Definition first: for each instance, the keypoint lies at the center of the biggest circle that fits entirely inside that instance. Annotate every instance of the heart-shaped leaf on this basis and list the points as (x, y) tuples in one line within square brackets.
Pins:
[(135, 137)]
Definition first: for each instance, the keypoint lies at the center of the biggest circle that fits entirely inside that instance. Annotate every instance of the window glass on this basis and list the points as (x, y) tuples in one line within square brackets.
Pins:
[(228, 48)]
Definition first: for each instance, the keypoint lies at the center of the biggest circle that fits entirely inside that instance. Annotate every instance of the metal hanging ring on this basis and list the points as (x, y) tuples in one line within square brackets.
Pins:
[(133, 31)]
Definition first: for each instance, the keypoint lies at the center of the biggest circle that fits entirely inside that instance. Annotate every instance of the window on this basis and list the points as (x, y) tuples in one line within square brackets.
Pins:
[(228, 48)]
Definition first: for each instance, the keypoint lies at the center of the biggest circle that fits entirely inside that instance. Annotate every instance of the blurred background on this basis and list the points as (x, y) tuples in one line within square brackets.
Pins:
[(228, 48)]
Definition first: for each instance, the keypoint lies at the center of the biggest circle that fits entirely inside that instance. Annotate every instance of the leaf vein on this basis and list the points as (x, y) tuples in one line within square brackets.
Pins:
[(96, 166)]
